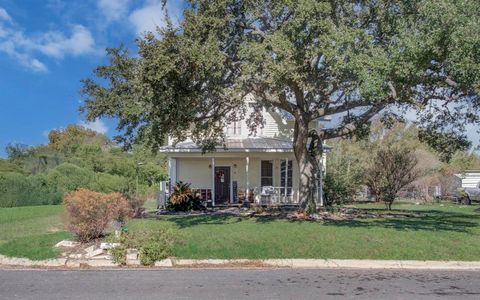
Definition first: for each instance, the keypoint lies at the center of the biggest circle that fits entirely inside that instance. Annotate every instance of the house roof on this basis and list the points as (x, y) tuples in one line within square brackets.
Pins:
[(250, 144)]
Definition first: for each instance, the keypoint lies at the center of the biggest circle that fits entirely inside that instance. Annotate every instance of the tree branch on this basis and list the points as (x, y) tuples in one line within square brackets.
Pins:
[(355, 124)]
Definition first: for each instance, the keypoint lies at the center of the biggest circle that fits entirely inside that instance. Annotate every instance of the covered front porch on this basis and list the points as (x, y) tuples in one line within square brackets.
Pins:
[(229, 178)]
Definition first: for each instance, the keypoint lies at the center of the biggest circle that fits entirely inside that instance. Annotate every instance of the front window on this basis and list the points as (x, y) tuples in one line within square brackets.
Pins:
[(266, 173)]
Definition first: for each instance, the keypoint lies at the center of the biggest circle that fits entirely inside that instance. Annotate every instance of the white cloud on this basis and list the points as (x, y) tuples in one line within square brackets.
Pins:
[(152, 14), (97, 125), (37, 66), (55, 44), (4, 16), (113, 9)]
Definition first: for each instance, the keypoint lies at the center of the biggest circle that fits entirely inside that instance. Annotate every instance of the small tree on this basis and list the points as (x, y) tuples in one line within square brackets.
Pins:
[(392, 169)]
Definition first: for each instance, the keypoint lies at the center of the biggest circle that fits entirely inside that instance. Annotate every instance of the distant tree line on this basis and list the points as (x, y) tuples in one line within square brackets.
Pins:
[(76, 157)]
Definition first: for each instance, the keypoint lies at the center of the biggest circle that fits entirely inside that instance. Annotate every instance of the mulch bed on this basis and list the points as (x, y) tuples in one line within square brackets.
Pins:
[(339, 214)]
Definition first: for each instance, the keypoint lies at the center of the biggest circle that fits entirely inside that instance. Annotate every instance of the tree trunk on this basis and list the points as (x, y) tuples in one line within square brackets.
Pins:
[(307, 166)]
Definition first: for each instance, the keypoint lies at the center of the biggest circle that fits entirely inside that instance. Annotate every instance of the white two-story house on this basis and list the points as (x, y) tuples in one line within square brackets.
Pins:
[(259, 168)]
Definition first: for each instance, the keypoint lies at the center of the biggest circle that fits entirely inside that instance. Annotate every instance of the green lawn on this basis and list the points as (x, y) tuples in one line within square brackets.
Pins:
[(31, 231), (445, 233)]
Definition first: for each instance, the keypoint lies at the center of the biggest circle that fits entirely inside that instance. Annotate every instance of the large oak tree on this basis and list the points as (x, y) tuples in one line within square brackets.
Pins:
[(348, 59)]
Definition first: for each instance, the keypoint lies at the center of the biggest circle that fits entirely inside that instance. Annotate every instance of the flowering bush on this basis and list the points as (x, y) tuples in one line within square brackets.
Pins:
[(89, 213)]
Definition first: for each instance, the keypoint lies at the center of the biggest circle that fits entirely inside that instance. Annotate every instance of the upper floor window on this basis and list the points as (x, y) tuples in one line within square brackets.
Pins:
[(234, 128)]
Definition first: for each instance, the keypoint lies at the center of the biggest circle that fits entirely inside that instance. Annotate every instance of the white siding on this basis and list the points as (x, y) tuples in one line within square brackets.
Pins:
[(469, 180), (196, 170)]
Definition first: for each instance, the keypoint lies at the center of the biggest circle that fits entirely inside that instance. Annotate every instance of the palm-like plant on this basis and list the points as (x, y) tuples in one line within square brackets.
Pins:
[(181, 193)]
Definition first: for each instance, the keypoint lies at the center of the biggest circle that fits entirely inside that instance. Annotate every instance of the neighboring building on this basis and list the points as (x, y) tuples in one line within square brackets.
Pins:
[(470, 178), (262, 167)]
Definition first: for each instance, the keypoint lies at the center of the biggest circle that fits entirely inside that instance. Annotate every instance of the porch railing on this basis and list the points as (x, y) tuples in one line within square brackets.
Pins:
[(271, 195)]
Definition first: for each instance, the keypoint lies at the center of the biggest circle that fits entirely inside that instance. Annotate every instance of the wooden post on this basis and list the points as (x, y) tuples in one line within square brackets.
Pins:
[(172, 169), (213, 181), (286, 179), (247, 165)]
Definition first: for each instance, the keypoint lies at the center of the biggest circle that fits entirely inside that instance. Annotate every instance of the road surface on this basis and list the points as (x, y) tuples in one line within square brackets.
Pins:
[(238, 284)]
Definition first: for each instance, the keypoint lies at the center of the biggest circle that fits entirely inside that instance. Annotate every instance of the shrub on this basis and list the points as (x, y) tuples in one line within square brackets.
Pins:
[(183, 199), (107, 183), (391, 169), (19, 190), (154, 244), (68, 177), (14, 190), (338, 190), (89, 213), (42, 192)]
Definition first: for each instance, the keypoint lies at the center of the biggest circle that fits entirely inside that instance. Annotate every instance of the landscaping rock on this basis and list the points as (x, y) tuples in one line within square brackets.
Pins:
[(108, 246), (67, 244), (90, 249), (164, 263), (94, 253), (132, 257), (132, 254), (104, 256)]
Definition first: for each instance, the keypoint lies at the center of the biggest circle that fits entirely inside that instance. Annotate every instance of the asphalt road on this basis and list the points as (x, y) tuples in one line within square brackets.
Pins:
[(238, 284)]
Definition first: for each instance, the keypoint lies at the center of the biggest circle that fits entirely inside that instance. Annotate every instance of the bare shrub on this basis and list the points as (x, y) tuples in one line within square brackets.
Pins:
[(89, 213), (392, 169)]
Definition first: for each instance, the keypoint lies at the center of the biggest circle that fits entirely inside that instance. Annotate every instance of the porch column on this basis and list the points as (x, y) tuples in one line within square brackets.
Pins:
[(247, 165), (286, 179), (172, 169), (213, 181)]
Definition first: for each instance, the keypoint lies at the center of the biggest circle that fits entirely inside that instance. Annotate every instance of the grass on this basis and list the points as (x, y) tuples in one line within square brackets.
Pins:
[(31, 231), (447, 232)]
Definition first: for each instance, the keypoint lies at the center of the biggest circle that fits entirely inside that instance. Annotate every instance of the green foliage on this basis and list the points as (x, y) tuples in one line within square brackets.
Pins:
[(106, 183), (68, 177), (7, 166), (18, 190), (42, 191), (183, 199), (338, 190), (70, 139), (119, 255), (154, 244), (14, 190), (446, 144), (350, 60), (77, 157)]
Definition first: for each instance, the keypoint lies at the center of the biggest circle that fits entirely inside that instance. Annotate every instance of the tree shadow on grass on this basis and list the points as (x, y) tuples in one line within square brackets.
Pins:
[(402, 219), (183, 222), (430, 220)]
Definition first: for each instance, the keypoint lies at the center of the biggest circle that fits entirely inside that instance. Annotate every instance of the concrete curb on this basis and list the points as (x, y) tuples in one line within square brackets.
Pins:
[(333, 264), (249, 263)]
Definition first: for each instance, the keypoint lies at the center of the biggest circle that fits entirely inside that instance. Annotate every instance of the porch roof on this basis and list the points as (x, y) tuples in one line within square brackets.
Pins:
[(250, 144)]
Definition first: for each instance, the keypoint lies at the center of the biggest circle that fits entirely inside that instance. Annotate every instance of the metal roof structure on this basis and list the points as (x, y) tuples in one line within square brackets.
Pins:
[(250, 144)]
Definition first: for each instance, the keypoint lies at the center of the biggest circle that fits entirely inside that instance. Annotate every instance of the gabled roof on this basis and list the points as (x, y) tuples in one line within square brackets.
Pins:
[(250, 144)]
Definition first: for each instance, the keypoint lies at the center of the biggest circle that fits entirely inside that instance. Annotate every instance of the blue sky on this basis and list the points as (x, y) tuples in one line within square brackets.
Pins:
[(48, 46)]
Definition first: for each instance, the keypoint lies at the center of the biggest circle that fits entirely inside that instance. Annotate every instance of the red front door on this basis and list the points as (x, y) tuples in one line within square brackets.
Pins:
[(222, 185)]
